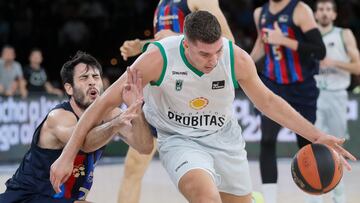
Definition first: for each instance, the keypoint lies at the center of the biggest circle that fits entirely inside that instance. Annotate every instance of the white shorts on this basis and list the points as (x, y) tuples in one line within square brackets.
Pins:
[(221, 154), (331, 113)]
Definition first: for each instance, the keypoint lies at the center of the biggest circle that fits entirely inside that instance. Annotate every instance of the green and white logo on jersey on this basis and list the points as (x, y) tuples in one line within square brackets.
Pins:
[(178, 85)]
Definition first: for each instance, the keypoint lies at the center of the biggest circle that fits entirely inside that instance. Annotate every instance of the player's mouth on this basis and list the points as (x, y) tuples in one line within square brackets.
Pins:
[(93, 93)]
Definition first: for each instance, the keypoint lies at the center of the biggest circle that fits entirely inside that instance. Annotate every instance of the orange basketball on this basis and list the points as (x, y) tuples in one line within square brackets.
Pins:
[(316, 169)]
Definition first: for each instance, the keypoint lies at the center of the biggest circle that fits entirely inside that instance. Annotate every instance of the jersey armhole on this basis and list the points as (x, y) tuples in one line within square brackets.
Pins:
[(163, 54), (342, 39), (232, 65)]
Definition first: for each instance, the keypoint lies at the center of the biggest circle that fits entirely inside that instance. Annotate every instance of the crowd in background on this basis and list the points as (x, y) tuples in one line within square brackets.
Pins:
[(59, 28)]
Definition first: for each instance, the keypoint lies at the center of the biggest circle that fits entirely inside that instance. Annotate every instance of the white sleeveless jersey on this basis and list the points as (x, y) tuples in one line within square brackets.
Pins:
[(333, 78), (184, 100)]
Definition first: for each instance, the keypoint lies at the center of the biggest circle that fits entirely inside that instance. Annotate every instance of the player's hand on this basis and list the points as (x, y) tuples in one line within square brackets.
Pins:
[(60, 171), (273, 36), (133, 89), (336, 143), (130, 48), (327, 63), (122, 124), (164, 33)]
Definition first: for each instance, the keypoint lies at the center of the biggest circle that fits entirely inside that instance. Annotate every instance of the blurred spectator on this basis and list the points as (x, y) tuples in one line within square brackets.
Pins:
[(11, 76), (36, 76)]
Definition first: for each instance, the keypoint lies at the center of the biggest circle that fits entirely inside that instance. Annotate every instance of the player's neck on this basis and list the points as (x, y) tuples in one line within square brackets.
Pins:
[(78, 111), (326, 29), (276, 7)]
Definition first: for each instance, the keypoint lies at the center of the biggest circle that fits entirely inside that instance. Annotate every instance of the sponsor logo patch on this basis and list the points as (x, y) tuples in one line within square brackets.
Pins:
[(199, 103), (218, 84)]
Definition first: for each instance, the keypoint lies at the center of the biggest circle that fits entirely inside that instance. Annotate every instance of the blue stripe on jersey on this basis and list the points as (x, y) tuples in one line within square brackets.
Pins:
[(290, 59), (176, 24), (277, 69), (161, 13), (267, 64)]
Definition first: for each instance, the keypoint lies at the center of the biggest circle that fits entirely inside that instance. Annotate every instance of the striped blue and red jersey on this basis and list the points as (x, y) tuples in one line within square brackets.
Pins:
[(284, 65), (33, 173), (170, 14)]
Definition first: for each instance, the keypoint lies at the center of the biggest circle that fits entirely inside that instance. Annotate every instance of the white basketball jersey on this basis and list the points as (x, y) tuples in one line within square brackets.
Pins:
[(185, 101), (333, 78)]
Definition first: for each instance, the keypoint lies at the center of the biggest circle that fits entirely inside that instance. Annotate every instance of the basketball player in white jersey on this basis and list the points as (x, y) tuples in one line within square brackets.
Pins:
[(342, 59), (190, 81)]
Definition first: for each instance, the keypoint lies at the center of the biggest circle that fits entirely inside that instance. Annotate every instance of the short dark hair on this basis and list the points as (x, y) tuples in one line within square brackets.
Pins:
[(202, 26), (8, 46), (35, 49), (326, 1), (67, 70)]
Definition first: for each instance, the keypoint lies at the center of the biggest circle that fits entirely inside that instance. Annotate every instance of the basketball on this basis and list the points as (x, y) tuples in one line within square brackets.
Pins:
[(316, 169)]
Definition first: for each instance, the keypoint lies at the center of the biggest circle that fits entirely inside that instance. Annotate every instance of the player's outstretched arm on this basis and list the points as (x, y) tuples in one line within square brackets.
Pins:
[(276, 108)]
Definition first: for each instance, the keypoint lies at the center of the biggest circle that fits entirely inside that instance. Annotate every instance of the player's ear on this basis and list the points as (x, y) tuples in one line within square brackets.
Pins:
[(68, 88), (185, 43), (335, 15)]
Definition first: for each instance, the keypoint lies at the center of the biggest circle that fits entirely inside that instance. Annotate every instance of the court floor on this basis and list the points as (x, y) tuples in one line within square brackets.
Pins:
[(157, 187)]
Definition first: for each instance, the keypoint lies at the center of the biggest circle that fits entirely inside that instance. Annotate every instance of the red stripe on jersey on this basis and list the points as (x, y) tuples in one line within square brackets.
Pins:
[(79, 160), (168, 22), (181, 20), (296, 57), (283, 67)]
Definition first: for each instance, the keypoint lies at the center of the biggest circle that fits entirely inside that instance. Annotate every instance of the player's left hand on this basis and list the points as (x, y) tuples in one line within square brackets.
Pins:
[(336, 143), (133, 89), (273, 36), (60, 171), (164, 33)]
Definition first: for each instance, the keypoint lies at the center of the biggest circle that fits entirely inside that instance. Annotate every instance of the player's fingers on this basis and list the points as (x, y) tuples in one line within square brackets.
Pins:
[(134, 75), (123, 56), (64, 179), (345, 163), (344, 152), (129, 75), (56, 185), (139, 85), (51, 177)]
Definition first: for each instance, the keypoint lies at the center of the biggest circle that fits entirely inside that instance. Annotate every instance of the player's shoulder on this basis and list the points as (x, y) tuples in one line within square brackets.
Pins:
[(241, 56), (303, 7), (60, 116), (346, 31), (258, 10)]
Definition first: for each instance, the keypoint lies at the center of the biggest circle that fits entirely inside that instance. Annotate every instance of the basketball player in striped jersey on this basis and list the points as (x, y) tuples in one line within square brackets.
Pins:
[(189, 83), (168, 21), (82, 81), (342, 59), (291, 43)]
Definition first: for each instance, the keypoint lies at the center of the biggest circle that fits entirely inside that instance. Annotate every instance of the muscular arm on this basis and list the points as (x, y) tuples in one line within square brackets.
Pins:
[(353, 52), (258, 50), (60, 124), (213, 7), (266, 101)]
